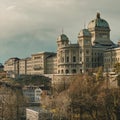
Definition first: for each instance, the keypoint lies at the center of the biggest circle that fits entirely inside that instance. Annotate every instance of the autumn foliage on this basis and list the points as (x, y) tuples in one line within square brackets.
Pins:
[(86, 99)]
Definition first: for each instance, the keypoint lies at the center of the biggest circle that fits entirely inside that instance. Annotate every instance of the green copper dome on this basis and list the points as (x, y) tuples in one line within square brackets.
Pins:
[(63, 37), (98, 23), (84, 32)]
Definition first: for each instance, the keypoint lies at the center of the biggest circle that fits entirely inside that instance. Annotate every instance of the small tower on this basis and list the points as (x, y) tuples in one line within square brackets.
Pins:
[(62, 41), (84, 41), (84, 38)]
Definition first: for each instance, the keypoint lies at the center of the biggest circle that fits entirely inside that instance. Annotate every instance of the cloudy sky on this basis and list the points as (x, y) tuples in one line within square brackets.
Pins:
[(31, 26)]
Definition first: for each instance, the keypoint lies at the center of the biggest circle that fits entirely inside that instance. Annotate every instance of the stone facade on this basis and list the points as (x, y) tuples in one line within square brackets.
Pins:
[(29, 66), (22, 67), (11, 66), (111, 56), (87, 53), (51, 64), (39, 62)]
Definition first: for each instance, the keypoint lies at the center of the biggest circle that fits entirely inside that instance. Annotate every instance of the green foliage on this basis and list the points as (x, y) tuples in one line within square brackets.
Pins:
[(33, 80)]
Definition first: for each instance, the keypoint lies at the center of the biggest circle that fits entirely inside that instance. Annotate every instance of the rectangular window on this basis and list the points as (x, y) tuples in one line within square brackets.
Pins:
[(80, 51), (67, 59), (87, 59), (74, 59), (80, 59)]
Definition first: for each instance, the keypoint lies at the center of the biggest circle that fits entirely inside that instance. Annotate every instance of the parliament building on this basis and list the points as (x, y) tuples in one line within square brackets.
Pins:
[(89, 52)]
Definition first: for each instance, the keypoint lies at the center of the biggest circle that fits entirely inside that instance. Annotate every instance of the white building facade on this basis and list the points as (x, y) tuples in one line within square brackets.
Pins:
[(32, 94)]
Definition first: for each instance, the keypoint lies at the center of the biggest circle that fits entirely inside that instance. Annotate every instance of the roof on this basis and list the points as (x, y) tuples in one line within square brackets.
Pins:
[(13, 58), (63, 37), (98, 22), (42, 53), (36, 109), (1, 65), (84, 32), (53, 55)]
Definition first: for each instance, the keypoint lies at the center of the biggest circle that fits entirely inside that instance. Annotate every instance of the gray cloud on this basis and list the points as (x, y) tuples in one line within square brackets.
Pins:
[(31, 26)]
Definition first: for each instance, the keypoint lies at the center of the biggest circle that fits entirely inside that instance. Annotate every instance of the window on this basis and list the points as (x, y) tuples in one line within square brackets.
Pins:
[(95, 59), (38, 57), (67, 71), (67, 59), (62, 71), (74, 51), (87, 51), (87, 41), (87, 59), (74, 71), (80, 59), (80, 51), (62, 59), (74, 59), (87, 65), (67, 51)]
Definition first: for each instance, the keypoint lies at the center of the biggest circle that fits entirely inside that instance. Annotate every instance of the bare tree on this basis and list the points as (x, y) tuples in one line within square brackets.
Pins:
[(12, 103)]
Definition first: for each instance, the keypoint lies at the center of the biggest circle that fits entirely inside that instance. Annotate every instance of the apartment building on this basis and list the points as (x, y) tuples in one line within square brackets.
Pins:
[(39, 62), (11, 66), (29, 66), (51, 64), (22, 67)]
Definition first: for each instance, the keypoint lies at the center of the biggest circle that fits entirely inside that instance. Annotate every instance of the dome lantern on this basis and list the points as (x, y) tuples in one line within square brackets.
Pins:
[(98, 15)]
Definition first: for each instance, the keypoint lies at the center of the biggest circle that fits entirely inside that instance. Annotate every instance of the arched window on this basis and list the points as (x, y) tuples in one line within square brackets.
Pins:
[(66, 71), (62, 71)]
